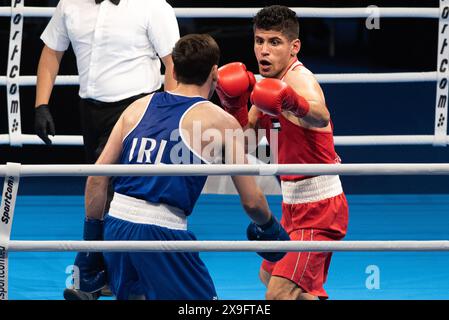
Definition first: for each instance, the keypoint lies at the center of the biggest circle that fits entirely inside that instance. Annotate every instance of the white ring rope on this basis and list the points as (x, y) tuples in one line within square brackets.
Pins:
[(430, 76), (228, 246), (365, 140), (385, 140), (250, 12), (31, 139), (223, 169)]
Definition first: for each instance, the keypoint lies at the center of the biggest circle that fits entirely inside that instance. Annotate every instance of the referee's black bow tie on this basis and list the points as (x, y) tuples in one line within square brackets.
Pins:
[(116, 2)]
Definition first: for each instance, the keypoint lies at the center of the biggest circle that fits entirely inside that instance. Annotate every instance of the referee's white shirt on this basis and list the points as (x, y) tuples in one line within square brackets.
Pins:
[(116, 47)]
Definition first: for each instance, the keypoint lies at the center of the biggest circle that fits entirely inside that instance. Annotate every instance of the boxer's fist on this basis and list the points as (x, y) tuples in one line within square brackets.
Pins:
[(91, 272), (273, 96), (234, 80), (234, 86), (270, 231)]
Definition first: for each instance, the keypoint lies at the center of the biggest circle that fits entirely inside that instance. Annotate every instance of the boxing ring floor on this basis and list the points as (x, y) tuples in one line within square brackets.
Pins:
[(401, 275)]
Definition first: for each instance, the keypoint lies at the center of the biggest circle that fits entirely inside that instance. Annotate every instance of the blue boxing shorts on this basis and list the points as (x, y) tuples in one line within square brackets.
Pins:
[(153, 275)]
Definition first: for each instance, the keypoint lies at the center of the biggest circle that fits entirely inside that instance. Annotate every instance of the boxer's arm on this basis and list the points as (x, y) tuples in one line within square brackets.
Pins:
[(254, 123), (229, 139), (264, 225), (308, 87), (253, 118), (96, 186), (251, 197)]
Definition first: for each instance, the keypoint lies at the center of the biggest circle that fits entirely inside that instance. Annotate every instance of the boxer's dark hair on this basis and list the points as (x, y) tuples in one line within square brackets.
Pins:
[(194, 56), (277, 18)]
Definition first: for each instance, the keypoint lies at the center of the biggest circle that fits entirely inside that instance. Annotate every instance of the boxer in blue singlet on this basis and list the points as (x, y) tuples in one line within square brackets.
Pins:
[(161, 129)]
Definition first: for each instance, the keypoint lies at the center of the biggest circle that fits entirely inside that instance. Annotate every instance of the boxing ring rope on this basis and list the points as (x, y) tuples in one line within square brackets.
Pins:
[(250, 12), (365, 140), (230, 169), (226, 246), (16, 138), (429, 76)]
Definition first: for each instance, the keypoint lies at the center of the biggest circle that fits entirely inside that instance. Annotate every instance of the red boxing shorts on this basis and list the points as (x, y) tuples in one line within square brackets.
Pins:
[(322, 220)]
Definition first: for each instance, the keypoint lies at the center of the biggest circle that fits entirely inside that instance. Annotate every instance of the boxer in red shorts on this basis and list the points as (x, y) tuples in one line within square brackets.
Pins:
[(291, 100)]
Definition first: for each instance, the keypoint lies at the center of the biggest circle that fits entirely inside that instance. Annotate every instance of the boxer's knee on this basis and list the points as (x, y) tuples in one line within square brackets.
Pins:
[(287, 294), (264, 276), (284, 289), (283, 294)]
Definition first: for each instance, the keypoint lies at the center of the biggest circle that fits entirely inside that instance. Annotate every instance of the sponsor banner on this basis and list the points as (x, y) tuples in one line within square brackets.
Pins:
[(440, 138), (9, 195), (13, 73)]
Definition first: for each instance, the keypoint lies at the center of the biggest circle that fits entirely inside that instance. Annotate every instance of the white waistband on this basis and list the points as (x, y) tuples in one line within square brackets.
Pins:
[(311, 190), (141, 211)]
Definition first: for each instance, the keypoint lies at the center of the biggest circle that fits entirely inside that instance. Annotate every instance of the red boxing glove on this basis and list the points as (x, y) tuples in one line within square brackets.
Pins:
[(234, 88), (273, 96)]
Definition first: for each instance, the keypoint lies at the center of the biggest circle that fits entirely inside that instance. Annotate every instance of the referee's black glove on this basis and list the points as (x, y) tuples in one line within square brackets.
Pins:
[(43, 121)]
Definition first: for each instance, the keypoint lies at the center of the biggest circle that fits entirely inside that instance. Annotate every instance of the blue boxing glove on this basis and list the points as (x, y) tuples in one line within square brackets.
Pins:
[(270, 231), (91, 274)]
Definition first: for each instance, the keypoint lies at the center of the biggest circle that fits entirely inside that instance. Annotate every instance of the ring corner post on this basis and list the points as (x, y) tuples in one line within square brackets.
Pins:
[(7, 206)]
